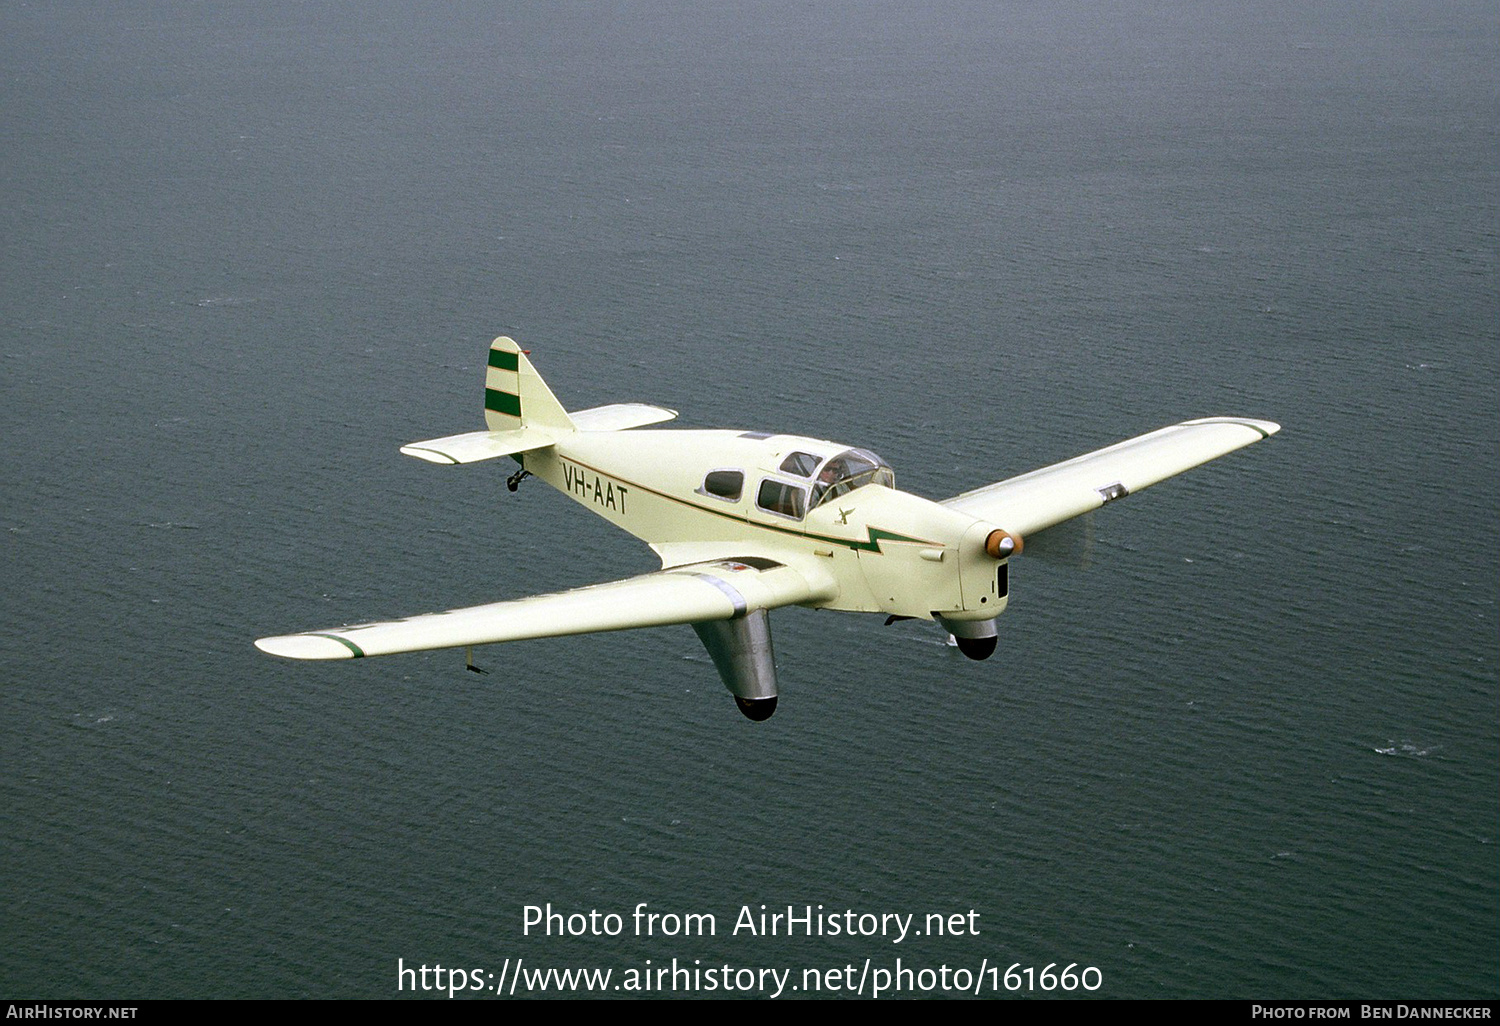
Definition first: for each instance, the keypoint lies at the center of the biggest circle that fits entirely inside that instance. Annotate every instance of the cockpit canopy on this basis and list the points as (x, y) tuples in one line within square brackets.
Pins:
[(838, 474), (850, 469), (803, 480)]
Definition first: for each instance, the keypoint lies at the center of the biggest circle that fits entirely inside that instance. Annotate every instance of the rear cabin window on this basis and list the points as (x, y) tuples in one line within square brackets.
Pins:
[(781, 498), (800, 463), (724, 484)]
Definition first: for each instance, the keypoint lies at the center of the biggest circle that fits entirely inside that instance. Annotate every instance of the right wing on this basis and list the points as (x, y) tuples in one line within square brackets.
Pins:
[(1043, 498), (723, 589)]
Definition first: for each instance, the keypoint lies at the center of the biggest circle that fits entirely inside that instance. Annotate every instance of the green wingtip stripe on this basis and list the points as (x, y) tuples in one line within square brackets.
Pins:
[(501, 360), (502, 402), (351, 646)]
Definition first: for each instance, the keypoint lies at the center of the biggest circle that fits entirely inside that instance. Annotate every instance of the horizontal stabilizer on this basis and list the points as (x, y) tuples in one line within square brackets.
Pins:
[(721, 590), (482, 445), (1038, 500), (486, 445), (620, 416)]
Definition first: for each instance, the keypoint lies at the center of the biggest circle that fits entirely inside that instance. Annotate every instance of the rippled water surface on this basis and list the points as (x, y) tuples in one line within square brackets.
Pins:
[(1250, 750)]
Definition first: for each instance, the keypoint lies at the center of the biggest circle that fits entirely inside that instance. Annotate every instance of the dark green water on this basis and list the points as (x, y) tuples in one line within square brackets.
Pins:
[(1251, 751)]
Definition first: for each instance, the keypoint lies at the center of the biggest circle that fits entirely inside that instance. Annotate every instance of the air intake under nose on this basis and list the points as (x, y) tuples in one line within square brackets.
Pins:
[(976, 638)]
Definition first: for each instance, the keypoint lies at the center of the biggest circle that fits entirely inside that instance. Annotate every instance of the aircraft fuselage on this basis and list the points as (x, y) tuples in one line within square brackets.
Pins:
[(697, 495)]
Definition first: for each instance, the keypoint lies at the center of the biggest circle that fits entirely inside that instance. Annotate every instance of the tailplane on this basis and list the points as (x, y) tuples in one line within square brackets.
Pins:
[(522, 414)]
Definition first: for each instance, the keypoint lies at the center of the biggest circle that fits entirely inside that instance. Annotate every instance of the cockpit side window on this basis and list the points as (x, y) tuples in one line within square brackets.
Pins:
[(800, 463), (724, 484), (782, 498)]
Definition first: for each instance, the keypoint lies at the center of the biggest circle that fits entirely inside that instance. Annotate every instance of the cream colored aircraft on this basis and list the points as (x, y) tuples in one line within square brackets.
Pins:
[(745, 521)]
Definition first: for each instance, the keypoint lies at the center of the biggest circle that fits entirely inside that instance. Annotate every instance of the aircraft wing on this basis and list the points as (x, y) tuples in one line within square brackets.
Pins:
[(1036, 501), (723, 589)]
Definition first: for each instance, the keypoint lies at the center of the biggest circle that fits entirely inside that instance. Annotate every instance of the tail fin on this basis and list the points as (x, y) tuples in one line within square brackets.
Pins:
[(515, 396), (522, 414)]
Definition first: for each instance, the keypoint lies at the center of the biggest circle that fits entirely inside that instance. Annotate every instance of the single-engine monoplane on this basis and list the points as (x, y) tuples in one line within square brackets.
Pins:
[(746, 521)]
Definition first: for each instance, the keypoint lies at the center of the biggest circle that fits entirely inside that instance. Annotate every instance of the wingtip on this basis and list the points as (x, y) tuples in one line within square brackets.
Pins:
[(308, 646), (1266, 428), (430, 455)]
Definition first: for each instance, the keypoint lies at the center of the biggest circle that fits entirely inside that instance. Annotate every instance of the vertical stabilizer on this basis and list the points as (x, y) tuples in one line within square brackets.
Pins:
[(515, 396)]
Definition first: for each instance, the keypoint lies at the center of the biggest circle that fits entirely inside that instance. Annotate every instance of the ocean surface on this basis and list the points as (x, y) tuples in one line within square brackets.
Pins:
[(1245, 743)]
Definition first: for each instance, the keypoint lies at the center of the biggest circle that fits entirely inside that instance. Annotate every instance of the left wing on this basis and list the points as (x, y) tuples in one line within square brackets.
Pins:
[(1043, 498), (723, 589)]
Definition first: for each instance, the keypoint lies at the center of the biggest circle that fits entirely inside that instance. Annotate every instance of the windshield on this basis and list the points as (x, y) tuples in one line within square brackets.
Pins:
[(849, 470)]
